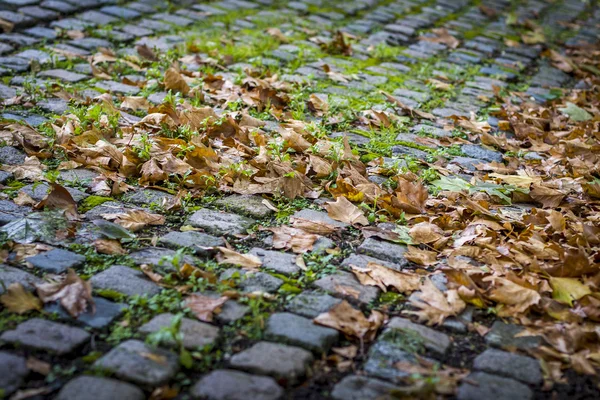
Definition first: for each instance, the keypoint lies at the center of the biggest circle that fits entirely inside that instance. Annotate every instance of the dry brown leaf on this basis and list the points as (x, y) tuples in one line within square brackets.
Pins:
[(435, 306), (420, 256), (18, 300), (135, 103), (73, 293), (344, 211), (548, 197), (316, 227), (23, 199), (109, 246), (384, 277), (204, 307), (173, 80), (60, 198), (352, 322), (134, 220), (297, 240), (514, 298), (32, 169), (425, 232), (246, 261)]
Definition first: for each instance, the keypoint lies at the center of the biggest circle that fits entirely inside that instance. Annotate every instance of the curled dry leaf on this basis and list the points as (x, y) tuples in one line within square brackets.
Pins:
[(31, 169), (109, 246), (60, 198), (23, 199), (315, 227), (73, 293), (204, 307), (18, 300), (135, 103), (514, 298), (434, 305), (383, 277), (134, 220), (344, 211), (173, 80), (246, 261), (352, 322), (297, 240), (420, 256)]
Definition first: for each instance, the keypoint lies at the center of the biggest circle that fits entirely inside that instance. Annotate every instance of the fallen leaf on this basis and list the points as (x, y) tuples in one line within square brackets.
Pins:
[(18, 300), (435, 306), (384, 277), (420, 256), (352, 322), (174, 81), (344, 211), (297, 240), (134, 220), (60, 198), (247, 261), (549, 198), (203, 307), (425, 232), (109, 246), (73, 293), (567, 290)]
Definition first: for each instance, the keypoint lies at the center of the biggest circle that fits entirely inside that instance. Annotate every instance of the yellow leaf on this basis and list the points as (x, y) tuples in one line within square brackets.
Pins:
[(18, 300), (565, 290), (344, 211), (247, 261)]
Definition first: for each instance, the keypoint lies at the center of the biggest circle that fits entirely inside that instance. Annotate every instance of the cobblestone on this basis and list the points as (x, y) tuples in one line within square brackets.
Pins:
[(267, 68)]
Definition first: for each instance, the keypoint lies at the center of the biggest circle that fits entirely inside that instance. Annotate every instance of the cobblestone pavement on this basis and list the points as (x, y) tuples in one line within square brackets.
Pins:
[(58, 56)]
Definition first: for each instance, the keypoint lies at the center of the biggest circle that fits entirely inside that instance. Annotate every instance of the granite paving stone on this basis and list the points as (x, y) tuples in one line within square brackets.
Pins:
[(357, 387), (104, 313), (480, 385), (128, 281), (433, 340), (235, 385), (99, 388), (201, 243), (251, 206), (13, 372), (280, 262), (299, 331), (196, 334), (287, 364), (56, 261), (312, 304), (510, 365), (504, 335), (384, 250), (139, 363), (42, 335), (220, 223), (344, 284)]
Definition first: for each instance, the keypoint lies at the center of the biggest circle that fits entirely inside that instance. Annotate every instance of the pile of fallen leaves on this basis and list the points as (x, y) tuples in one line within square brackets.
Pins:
[(521, 238)]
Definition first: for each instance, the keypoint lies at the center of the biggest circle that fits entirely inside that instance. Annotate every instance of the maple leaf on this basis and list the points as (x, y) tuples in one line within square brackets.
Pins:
[(203, 307), (344, 211), (352, 322), (435, 306), (18, 300), (515, 299), (384, 277)]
